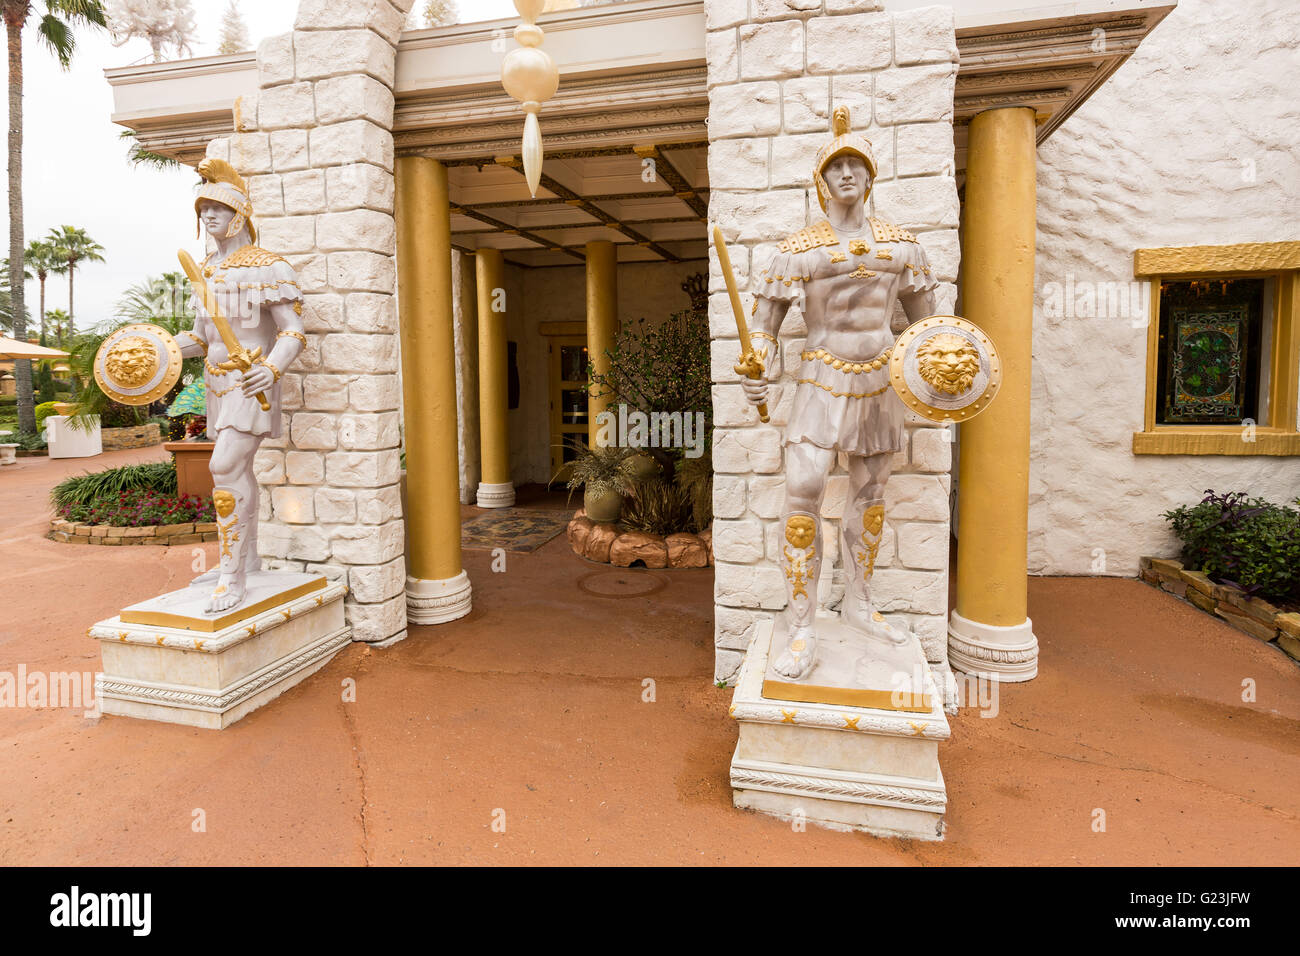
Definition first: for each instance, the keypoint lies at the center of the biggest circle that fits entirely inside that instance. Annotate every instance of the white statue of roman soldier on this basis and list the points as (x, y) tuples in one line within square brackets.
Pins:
[(258, 294), (846, 273)]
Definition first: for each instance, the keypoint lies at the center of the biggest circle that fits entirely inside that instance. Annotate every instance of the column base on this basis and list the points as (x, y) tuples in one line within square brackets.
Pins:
[(1005, 654), (501, 495), (437, 602)]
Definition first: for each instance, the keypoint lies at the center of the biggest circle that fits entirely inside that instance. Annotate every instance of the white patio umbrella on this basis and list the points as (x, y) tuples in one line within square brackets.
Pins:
[(13, 349)]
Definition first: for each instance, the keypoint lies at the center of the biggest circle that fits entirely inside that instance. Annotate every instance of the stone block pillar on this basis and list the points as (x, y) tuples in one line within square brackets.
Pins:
[(316, 147)]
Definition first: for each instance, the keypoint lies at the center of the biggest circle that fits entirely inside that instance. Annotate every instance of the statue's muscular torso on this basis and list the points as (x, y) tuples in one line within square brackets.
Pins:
[(850, 283)]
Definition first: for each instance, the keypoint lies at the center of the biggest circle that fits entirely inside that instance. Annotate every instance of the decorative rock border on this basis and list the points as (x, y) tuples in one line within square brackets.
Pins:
[(134, 436), (603, 543), (1253, 615), (162, 535)]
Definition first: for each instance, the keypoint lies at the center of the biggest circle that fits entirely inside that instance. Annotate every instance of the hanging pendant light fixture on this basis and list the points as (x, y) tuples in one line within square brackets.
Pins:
[(531, 77)]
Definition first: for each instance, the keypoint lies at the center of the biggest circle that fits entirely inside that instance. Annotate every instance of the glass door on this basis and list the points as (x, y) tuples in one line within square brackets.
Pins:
[(568, 401)]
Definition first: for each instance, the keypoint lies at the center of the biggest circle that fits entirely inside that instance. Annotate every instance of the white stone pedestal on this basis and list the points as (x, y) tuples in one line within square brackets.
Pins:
[(839, 765), (164, 659)]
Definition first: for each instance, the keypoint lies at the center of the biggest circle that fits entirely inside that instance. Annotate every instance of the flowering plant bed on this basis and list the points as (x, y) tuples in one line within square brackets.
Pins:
[(137, 516), (607, 543), (1253, 615)]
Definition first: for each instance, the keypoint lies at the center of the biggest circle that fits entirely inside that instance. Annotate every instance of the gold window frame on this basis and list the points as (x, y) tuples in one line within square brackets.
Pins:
[(1279, 261)]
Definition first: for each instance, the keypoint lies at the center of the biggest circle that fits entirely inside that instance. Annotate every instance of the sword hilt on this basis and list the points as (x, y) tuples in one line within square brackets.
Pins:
[(751, 366)]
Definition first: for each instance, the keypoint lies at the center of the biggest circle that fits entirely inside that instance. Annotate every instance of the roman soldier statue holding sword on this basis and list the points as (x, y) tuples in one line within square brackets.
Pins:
[(854, 381), (248, 328)]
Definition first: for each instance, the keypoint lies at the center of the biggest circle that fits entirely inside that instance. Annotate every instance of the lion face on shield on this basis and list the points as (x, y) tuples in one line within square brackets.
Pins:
[(131, 362), (948, 362)]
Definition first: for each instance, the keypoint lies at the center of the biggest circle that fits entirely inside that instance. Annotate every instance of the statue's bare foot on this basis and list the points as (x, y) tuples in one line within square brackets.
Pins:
[(799, 655), (861, 616), (228, 593)]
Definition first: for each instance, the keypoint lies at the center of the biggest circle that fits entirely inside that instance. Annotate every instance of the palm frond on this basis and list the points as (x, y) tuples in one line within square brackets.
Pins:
[(137, 155), (80, 12), (56, 35)]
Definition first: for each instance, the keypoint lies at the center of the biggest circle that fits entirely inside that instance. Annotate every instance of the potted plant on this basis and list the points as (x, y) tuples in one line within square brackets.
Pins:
[(605, 475)]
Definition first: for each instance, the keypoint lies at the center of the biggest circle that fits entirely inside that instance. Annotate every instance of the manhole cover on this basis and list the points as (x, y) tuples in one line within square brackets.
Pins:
[(621, 583)]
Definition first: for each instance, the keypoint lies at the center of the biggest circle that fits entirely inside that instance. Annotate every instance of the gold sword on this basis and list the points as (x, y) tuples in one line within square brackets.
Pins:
[(750, 365), (241, 359)]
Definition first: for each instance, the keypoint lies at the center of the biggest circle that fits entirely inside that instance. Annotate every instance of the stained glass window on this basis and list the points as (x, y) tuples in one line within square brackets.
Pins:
[(1210, 339)]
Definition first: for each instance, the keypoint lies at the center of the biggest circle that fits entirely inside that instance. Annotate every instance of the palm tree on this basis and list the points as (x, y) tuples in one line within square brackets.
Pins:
[(55, 31), (58, 320), (43, 259), (73, 247)]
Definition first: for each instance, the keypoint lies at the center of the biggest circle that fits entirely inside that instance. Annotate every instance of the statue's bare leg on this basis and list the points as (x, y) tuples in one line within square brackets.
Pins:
[(235, 498), (861, 530), (252, 560), (807, 467)]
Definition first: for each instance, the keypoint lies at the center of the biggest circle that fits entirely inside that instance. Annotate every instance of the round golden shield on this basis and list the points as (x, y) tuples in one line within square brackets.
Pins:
[(945, 369), (138, 364)]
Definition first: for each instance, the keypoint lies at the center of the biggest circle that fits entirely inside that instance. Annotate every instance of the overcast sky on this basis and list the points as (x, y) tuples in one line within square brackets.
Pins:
[(75, 168)]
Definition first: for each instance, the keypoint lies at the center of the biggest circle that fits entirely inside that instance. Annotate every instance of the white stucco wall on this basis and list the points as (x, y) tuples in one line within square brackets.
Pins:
[(1192, 142), (776, 69)]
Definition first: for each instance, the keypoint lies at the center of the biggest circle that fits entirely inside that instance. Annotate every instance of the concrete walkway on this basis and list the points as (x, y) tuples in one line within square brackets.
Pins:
[(532, 706)]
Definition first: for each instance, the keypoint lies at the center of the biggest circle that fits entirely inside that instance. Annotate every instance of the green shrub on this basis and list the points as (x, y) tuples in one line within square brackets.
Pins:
[(43, 384), (8, 401), (658, 507), (44, 411), (117, 415), (1247, 542), (158, 477), (26, 441)]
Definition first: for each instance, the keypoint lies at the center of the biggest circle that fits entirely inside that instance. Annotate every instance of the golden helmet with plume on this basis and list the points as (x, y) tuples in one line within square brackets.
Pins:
[(845, 142), (221, 183)]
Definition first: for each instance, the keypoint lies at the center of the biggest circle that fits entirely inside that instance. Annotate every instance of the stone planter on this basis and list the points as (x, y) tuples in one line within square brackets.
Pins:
[(193, 467), (602, 542), (162, 535), (136, 436), (1253, 615)]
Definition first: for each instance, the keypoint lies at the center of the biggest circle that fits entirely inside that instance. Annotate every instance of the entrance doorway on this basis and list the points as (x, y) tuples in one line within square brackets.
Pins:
[(568, 400)]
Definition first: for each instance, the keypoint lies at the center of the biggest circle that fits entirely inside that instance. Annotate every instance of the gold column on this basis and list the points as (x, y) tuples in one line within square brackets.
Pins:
[(495, 489), (602, 318), (990, 633), (437, 588)]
